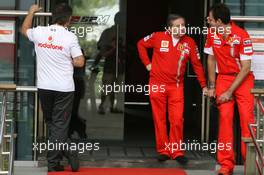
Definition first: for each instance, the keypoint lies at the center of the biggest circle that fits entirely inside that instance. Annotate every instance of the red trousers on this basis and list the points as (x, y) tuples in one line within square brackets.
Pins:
[(245, 102), (174, 96)]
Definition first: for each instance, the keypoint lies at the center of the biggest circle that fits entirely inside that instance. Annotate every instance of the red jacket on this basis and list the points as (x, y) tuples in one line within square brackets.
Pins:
[(229, 52), (168, 61)]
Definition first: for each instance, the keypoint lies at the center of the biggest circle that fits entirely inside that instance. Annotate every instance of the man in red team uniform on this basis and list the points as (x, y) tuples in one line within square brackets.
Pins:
[(172, 49), (231, 52)]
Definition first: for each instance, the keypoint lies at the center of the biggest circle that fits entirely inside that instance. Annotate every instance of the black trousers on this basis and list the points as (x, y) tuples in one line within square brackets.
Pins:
[(57, 109)]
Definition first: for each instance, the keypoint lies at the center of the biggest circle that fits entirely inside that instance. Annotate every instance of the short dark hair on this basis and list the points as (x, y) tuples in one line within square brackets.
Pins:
[(221, 11), (61, 13), (172, 17)]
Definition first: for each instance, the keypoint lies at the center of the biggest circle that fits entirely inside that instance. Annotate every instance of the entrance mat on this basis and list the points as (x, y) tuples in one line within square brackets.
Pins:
[(122, 171)]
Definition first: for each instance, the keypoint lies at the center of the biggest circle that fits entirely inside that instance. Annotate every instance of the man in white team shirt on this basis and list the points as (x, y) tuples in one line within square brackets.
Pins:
[(58, 52)]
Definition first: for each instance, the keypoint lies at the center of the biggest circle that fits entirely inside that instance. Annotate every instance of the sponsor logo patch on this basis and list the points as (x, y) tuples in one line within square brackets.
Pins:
[(248, 49), (164, 43), (49, 45), (247, 42), (186, 51), (236, 41), (217, 42), (164, 49), (50, 39)]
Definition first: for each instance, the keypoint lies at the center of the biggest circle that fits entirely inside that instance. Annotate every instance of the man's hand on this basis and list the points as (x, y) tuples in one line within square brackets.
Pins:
[(225, 97), (148, 67), (27, 24), (205, 91), (78, 61), (211, 92), (34, 8)]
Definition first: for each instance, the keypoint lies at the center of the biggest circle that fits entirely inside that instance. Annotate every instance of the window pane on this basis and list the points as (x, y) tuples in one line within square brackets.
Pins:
[(7, 4)]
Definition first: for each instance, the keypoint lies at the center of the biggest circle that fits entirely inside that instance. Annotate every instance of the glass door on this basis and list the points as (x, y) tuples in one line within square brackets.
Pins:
[(99, 104)]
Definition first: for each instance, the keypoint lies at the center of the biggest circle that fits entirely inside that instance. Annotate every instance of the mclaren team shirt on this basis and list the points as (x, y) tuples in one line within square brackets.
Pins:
[(55, 48)]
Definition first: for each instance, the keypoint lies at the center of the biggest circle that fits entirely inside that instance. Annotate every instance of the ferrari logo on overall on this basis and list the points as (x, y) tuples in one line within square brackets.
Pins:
[(230, 40), (183, 48), (180, 47)]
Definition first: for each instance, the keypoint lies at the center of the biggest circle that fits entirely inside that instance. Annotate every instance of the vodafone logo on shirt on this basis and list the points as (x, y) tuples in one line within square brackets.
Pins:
[(49, 45)]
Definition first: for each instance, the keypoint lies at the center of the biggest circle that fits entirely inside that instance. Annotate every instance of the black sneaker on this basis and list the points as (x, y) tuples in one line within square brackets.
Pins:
[(101, 111), (182, 160), (56, 168), (73, 160), (163, 157)]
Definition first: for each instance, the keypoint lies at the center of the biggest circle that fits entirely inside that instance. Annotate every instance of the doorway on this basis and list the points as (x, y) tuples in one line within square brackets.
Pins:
[(143, 19)]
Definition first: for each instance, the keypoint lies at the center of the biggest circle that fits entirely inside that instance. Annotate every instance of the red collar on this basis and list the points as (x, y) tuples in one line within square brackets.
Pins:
[(233, 27)]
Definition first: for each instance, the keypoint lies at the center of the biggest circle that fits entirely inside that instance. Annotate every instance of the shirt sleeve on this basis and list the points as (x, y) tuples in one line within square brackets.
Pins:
[(208, 47), (33, 34), (197, 65), (143, 45), (246, 48), (75, 48)]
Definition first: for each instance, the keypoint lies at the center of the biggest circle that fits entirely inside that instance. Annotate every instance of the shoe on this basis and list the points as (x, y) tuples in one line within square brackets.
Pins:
[(56, 168), (115, 110), (81, 128), (101, 111), (73, 160), (224, 171), (182, 160), (163, 157)]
